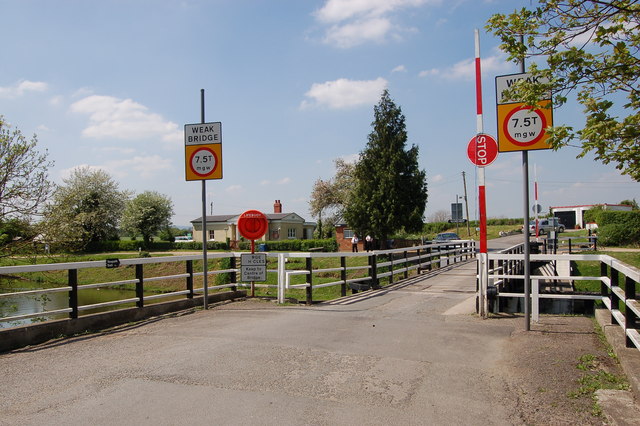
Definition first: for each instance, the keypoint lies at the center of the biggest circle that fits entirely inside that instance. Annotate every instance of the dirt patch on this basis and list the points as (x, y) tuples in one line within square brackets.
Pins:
[(551, 368)]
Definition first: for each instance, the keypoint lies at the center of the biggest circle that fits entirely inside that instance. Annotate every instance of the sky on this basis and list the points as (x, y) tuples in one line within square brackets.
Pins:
[(110, 84)]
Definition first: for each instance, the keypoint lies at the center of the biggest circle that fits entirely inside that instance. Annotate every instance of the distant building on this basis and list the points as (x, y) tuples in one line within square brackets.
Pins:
[(573, 216), (282, 226), (343, 237)]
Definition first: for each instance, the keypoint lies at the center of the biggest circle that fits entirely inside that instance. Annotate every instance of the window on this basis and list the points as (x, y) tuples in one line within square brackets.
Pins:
[(291, 233), (212, 235), (348, 234)]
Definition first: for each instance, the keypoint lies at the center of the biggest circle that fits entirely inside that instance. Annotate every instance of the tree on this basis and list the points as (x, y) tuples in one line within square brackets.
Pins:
[(439, 216), (86, 209), (591, 48), (390, 192), (332, 195), (633, 203), (24, 183), (147, 214)]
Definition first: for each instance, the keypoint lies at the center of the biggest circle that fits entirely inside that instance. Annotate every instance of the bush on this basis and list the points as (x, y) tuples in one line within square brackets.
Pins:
[(615, 227), (617, 234), (327, 245)]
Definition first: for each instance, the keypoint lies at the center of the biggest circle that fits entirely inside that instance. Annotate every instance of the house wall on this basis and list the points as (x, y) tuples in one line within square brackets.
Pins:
[(345, 244)]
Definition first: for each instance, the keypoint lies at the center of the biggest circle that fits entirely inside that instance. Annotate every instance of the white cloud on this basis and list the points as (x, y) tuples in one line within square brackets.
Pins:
[(144, 166), (359, 32), (284, 181), (466, 69), (437, 178), (21, 88), (340, 10), (399, 68), (110, 117), (344, 93), (354, 22)]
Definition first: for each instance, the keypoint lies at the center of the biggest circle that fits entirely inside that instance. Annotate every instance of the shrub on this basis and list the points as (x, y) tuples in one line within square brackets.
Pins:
[(615, 227), (327, 245), (617, 234)]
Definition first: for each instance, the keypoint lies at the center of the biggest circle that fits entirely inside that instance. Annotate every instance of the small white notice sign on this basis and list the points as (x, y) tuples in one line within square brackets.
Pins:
[(253, 267)]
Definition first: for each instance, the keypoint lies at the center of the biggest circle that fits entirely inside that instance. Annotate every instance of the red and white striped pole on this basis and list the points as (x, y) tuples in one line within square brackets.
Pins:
[(483, 263), (482, 203)]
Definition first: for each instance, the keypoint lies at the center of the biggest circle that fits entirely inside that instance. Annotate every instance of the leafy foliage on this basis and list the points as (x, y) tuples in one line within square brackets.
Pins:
[(24, 183), (591, 49), (87, 208), (390, 191), (332, 195), (147, 214)]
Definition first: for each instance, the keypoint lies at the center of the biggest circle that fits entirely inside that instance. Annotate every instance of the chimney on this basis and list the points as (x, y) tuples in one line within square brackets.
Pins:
[(277, 207)]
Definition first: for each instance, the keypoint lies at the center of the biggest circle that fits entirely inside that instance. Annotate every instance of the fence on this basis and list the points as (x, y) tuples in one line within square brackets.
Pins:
[(381, 267), (618, 284)]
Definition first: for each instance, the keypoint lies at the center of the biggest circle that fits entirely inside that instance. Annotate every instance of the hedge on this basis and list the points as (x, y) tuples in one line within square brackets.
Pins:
[(326, 245), (616, 228)]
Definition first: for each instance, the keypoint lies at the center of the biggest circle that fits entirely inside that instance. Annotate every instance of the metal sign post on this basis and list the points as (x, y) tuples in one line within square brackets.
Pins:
[(203, 161)]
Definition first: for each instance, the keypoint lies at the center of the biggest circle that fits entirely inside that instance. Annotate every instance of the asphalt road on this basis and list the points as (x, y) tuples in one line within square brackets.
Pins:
[(410, 355)]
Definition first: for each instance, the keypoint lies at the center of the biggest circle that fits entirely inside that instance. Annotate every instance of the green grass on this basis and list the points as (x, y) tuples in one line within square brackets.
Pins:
[(592, 268)]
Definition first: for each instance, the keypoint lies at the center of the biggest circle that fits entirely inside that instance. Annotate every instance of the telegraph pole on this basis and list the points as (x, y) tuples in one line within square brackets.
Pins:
[(466, 202)]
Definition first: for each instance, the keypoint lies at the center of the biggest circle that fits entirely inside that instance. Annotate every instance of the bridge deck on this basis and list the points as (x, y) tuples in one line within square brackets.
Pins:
[(379, 357)]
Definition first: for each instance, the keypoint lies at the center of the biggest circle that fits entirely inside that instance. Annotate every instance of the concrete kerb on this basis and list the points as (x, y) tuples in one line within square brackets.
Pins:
[(629, 357)]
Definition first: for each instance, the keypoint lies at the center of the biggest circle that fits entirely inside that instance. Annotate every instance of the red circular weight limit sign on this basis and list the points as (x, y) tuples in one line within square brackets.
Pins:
[(252, 224), (203, 161), (524, 126), (482, 150)]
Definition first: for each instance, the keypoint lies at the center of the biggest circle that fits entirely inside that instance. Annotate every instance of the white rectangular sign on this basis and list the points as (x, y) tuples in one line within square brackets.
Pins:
[(253, 266), (247, 259), (504, 82), (203, 133), (253, 272)]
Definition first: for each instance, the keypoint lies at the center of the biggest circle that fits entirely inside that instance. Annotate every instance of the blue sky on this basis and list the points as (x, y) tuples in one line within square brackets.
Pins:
[(110, 84)]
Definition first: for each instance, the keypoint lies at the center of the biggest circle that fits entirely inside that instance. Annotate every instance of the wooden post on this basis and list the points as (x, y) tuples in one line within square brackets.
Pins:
[(406, 264), (604, 290), (234, 275), (615, 300), (630, 317), (310, 281), (374, 271), (73, 293), (140, 285), (343, 276), (190, 279)]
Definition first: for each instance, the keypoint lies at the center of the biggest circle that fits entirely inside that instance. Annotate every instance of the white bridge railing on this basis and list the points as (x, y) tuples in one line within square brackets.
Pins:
[(618, 284)]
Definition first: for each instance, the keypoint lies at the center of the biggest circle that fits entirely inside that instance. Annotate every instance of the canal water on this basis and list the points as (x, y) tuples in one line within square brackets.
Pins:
[(27, 304)]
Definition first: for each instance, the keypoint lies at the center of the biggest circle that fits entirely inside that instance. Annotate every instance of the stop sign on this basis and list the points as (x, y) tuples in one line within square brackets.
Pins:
[(482, 150), (252, 224)]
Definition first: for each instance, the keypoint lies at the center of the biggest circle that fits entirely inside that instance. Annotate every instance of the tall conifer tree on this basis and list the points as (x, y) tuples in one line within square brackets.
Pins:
[(390, 192)]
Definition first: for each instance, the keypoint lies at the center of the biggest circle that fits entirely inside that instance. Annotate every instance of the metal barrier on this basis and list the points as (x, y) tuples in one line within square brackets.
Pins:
[(383, 267)]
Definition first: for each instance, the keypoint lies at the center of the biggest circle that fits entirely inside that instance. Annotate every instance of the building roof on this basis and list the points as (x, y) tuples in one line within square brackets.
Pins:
[(234, 217), (589, 205), (216, 218)]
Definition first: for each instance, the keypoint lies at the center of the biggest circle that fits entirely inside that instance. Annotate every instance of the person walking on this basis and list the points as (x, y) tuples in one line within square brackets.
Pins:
[(354, 243), (368, 242)]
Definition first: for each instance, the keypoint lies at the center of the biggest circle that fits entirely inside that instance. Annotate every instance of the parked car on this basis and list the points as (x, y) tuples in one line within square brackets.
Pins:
[(446, 236), (545, 225), (183, 239)]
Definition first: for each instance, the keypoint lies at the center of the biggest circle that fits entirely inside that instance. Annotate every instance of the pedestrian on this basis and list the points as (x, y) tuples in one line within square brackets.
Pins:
[(354, 243), (368, 242)]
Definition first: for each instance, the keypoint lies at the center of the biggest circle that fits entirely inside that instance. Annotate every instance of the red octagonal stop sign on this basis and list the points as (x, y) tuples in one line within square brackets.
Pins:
[(253, 224), (482, 150)]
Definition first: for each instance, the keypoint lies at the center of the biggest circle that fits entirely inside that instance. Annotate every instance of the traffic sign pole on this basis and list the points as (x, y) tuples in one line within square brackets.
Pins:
[(205, 283), (483, 266)]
